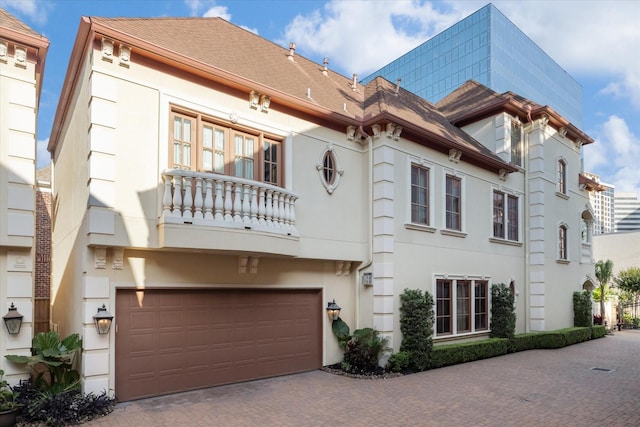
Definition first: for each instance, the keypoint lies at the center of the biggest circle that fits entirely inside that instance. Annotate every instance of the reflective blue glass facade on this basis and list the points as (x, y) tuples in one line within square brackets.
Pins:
[(490, 49)]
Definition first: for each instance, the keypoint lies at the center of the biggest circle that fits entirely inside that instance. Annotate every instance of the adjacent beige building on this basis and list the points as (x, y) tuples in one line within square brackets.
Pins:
[(215, 191), (22, 57)]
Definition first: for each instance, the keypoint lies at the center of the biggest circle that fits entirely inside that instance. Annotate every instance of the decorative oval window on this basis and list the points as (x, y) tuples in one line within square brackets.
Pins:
[(329, 169)]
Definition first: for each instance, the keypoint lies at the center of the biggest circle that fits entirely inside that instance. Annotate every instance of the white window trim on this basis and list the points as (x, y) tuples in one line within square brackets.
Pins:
[(454, 306), (463, 203), (507, 192), (431, 228), (565, 260), (565, 194), (338, 171)]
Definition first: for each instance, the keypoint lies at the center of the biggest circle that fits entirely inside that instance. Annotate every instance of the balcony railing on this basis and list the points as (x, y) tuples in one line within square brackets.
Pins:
[(215, 200)]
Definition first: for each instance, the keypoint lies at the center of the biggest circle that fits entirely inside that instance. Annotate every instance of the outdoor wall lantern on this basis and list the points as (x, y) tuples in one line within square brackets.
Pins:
[(103, 320), (333, 310), (13, 320)]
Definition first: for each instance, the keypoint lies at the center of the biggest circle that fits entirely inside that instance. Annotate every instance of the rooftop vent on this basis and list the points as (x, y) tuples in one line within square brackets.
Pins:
[(292, 51), (325, 70), (354, 83)]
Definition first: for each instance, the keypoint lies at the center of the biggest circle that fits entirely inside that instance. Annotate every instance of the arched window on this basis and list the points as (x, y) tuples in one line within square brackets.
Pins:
[(562, 176), (562, 242)]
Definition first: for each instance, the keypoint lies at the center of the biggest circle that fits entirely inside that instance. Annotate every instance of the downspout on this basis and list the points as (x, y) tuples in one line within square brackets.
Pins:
[(359, 270)]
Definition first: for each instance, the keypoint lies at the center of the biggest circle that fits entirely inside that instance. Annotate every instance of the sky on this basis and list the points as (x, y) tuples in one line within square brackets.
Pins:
[(596, 41)]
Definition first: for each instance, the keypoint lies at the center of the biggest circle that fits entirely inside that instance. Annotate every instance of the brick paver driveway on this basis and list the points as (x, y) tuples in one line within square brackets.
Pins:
[(533, 388)]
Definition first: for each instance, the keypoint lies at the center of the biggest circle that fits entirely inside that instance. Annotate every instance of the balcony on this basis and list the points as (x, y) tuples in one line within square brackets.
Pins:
[(200, 209)]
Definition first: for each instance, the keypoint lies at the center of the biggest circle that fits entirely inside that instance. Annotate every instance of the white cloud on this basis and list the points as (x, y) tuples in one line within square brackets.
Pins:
[(218, 11), (390, 28), (35, 10), (43, 157), (212, 10), (586, 37), (617, 153)]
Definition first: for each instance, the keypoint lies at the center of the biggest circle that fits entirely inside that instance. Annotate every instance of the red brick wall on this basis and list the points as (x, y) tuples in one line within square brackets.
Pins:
[(43, 244)]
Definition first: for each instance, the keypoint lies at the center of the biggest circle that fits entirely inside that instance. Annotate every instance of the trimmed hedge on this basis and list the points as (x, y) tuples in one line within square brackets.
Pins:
[(598, 331), (453, 354)]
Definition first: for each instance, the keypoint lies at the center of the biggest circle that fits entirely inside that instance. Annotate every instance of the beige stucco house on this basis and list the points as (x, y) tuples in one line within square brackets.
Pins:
[(216, 191), (22, 58)]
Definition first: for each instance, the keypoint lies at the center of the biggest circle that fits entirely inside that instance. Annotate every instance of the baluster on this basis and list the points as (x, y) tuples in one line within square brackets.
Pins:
[(166, 200), (292, 213), (246, 203), (188, 199), (177, 196), (269, 208), (261, 207), (219, 202), (282, 221), (237, 203), (254, 204), (287, 211), (227, 201), (197, 201), (208, 199), (276, 211)]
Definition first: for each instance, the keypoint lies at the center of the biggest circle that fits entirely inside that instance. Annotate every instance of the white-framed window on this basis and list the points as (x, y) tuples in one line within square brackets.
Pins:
[(462, 306), (420, 195), (506, 216), (516, 142), (454, 202), (562, 176), (563, 236)]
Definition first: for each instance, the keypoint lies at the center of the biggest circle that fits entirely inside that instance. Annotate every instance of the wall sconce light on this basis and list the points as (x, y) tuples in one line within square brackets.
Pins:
[(333, 310), (103, 320), (13, 320)]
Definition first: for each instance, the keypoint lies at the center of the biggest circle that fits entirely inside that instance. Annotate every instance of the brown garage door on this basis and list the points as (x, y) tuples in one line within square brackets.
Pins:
[(176, 340)]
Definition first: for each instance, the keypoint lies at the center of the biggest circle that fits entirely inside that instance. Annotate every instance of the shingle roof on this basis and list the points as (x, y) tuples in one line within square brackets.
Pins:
[(218, 43), (7, 20), (473, 101), (383, 97), (239, 58)]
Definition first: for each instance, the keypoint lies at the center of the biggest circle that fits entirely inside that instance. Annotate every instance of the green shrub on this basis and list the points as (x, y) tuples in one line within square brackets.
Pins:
[(528, 341), (503, 316), (399, 362), (582, 309), (576, 335), (57, 357), (363, 352), (453, 354), (598, 331), (69, 407), (416, 325)]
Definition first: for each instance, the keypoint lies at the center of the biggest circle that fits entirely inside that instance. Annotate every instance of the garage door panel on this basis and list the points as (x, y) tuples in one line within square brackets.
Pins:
[(180, 339)]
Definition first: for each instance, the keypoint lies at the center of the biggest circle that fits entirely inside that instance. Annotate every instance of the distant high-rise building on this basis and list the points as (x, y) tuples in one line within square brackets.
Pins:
[(627, 212), (603, 204), (487, 47)]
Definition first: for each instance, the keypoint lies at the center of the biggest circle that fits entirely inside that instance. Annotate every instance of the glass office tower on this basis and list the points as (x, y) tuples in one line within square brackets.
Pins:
[(490, 49)]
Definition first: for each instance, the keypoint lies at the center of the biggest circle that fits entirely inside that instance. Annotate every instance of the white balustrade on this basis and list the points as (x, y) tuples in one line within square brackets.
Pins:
[(224, 201)]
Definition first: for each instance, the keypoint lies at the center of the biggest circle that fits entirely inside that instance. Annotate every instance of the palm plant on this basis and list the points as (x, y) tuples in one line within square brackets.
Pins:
[(604, 273)]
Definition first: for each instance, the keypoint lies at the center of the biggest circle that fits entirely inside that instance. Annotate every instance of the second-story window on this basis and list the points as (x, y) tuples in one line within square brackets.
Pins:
[(453, 208), (516, 142), (505, 216), (201, 143), (562, 177), (419, 195)]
